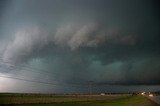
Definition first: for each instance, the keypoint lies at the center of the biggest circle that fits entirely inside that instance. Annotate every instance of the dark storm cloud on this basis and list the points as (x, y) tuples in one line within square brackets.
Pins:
[(108, 42)]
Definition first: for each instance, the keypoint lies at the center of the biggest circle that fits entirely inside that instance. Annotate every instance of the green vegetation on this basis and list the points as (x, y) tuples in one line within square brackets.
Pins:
[(135, 100)]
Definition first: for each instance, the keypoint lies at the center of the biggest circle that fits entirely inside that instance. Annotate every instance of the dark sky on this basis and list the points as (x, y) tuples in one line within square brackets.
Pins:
[(72, 42)]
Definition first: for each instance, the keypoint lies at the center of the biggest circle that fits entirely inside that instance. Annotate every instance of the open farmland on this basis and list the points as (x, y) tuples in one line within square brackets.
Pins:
[(75, 100)]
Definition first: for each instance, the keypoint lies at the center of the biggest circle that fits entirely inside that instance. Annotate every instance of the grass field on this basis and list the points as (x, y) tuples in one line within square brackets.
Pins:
[(45, 100)]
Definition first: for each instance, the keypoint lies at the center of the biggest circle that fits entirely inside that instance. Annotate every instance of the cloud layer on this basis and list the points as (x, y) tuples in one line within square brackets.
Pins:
[(105, 42)]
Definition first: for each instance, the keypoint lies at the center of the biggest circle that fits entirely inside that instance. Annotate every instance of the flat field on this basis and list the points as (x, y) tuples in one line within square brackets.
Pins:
[(75, 100)]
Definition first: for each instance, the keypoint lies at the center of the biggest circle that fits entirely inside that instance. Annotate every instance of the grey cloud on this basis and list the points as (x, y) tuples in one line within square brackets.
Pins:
[(109, 42), (33, 39), (25, 42)]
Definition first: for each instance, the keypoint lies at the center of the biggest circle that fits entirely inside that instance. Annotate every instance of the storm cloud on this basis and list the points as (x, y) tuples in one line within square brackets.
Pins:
[(74, 42)]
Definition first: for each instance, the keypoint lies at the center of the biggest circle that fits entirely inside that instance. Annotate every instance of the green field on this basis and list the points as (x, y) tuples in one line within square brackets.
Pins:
[(44, 100)]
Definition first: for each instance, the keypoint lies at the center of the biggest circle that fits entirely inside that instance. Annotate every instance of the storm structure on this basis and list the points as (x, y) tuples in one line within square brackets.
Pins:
[(65, 45)]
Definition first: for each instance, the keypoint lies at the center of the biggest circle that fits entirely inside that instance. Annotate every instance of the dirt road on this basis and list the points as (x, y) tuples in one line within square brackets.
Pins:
[(154, 98)]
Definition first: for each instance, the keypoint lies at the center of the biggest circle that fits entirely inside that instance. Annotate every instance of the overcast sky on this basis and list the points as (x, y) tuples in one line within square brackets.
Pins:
[(68, 43)]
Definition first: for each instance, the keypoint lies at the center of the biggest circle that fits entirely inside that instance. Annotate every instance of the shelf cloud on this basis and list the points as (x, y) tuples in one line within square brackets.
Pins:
[(107, 42)]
